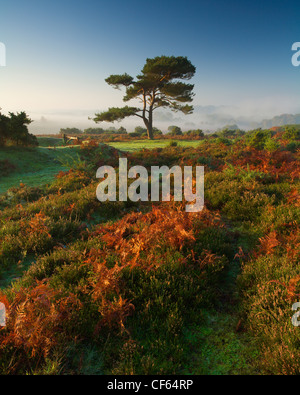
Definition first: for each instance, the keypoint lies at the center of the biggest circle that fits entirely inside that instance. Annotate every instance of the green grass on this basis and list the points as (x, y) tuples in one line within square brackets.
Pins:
[(14, 272), (136, 145), (38, 166), (35, 166), (217, 349), (49, 141)]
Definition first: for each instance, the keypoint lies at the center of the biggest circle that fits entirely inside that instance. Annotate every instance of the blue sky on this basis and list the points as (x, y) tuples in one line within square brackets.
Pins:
[(60, 52)]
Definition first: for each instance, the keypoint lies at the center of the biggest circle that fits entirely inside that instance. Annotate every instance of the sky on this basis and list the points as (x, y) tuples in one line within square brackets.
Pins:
[(59, 53)]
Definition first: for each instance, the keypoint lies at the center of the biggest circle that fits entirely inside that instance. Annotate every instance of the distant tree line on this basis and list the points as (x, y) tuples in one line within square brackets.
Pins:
[(14, 130), (93, 131), (174, 130), (256, 138), (139, 131)]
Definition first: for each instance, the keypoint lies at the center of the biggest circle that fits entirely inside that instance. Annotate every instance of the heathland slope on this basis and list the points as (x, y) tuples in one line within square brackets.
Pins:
[(141, 288)]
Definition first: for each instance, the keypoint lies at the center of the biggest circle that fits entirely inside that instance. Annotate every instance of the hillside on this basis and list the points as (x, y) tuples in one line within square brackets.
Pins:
[(280, 120), (34, 166), (147, 288)]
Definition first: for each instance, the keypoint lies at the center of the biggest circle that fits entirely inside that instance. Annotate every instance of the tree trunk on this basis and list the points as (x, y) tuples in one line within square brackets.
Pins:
[(150, 125), (150, 132)]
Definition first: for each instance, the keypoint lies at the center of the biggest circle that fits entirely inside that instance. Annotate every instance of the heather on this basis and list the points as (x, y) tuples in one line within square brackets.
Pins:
[(142, 288)]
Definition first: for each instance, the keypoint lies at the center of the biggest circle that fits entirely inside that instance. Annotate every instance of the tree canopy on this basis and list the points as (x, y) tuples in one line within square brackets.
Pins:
[(157, 86), (174, 130)]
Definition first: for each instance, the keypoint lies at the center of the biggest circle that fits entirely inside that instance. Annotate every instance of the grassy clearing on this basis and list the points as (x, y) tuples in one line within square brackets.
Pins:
[(38, 166), (217, 349), (50, 142), (136, 145), (35, 166)]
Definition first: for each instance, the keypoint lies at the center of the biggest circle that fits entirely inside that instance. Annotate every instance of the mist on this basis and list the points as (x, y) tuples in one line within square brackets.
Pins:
[(248, 114)]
